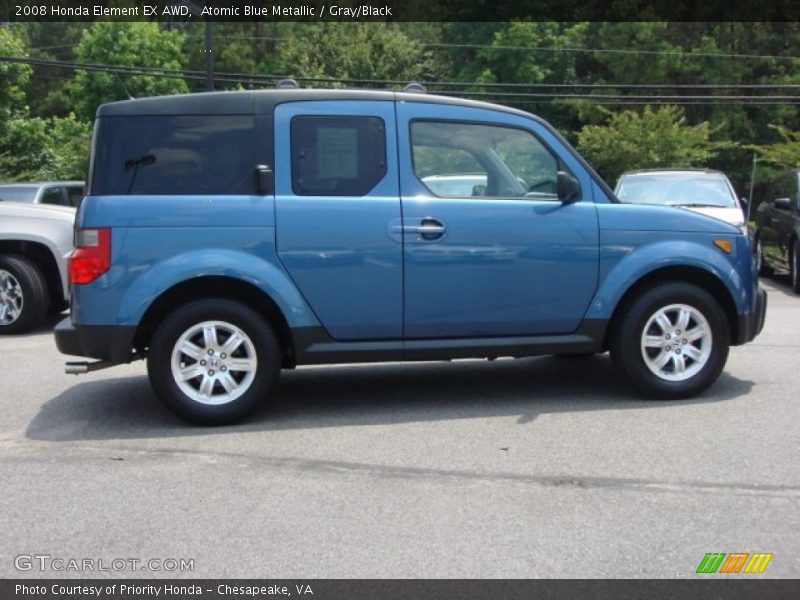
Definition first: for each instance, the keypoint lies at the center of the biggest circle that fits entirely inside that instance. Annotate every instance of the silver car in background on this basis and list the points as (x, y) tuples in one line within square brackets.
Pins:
[(59, 193), (700, 190), (35, 241)]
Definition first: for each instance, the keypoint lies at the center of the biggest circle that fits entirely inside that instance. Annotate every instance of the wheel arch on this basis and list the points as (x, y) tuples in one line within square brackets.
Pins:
[(216, 286), (679, 274), (42, 256)]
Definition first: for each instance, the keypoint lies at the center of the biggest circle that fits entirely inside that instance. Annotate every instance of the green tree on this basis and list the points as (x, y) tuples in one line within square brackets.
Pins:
[(130, 45), (784, 154), (34, 148), (653, 138), (13, 76), (350, 51)]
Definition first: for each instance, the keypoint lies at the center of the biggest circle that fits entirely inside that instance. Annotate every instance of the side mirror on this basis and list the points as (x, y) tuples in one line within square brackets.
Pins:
[(782, 203), (265, 180), (743, 201), (567, 187)]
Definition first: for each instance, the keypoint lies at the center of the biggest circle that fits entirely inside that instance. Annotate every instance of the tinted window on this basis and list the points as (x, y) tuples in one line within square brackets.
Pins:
[(470, 159), (13, 193), (337, 156), (196, 155), (74, 196), (53, 195)]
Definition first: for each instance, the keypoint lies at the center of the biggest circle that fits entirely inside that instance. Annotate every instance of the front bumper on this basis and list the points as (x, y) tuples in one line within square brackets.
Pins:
[(751, 324), (113, 343)]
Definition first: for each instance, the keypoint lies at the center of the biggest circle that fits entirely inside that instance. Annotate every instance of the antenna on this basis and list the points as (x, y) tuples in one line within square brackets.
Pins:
[(285, 84), (122, 83)]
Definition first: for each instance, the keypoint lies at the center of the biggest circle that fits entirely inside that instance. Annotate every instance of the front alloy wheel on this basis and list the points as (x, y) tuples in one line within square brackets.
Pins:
[(671, 341), (676, 342)]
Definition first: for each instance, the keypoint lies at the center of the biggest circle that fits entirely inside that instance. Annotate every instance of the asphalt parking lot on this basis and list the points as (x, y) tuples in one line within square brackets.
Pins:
[(537, 467)]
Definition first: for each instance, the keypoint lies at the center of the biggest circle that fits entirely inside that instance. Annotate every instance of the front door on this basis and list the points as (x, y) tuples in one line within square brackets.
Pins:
[(489, 248)]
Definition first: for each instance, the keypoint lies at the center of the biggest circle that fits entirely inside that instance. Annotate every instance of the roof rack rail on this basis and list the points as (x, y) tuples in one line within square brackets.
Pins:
[(286, 83), (415, 87)]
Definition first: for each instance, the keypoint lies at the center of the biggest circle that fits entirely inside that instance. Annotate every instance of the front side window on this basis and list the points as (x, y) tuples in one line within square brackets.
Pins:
[(470, 159), (337, 156), (175, 155)]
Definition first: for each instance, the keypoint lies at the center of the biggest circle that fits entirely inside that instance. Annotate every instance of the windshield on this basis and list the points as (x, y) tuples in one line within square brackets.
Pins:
[(677, 189), (17, 193)]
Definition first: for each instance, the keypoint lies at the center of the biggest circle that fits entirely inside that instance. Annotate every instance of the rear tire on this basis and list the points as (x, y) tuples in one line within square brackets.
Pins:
[(213, 362), (23, 294), (671, 342)]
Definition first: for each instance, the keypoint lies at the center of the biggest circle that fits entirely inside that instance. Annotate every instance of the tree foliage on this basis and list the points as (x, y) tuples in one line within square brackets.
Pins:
[(784, 154), (349, 51), (33, 148), (13, 76), (129, 45), (653, 138)]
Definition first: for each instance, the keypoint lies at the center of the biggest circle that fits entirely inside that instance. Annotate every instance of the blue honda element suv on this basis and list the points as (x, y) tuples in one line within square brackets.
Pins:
[(227, 236)]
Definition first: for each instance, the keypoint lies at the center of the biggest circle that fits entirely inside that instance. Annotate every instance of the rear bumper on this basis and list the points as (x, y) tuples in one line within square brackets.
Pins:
[(751, 324), (113, 343)]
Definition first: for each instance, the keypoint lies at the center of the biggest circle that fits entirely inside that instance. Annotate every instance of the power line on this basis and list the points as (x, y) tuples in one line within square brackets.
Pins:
[(515, 97), (272, 78), (678, 53)]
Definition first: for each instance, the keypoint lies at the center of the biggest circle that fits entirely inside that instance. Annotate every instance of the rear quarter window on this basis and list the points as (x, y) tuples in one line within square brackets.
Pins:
[(174, 155)]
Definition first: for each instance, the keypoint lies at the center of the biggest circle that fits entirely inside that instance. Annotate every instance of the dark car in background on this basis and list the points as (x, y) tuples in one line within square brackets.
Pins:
[(59, 193), (777, 221)]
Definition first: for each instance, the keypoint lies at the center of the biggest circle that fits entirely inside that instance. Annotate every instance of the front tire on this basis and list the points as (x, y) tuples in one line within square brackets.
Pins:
[(23, 294), (794, 267), (763, 268), (672, 342), (212, 362)]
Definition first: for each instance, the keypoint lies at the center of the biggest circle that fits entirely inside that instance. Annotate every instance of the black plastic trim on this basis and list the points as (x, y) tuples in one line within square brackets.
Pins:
[(751, 324), (113, 343), (314, 346)]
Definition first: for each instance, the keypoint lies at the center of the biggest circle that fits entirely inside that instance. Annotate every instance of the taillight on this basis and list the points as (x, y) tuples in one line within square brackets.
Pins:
[(91, 256)]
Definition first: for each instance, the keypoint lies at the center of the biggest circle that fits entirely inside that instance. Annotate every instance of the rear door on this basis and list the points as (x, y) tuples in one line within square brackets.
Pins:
[(337, 200)]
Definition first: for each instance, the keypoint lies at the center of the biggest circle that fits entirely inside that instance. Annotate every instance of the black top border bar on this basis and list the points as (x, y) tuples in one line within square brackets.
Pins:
[(399, 10)]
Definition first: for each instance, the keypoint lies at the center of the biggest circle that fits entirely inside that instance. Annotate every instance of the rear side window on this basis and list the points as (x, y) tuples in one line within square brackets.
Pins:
[(173, 155), (74, 196), (337, 156), (53, 195)]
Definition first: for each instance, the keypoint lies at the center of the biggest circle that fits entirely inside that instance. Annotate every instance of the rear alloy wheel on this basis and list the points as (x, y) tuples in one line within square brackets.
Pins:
[(23, 295), (672, 342), (794, 267), (213, 362)]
